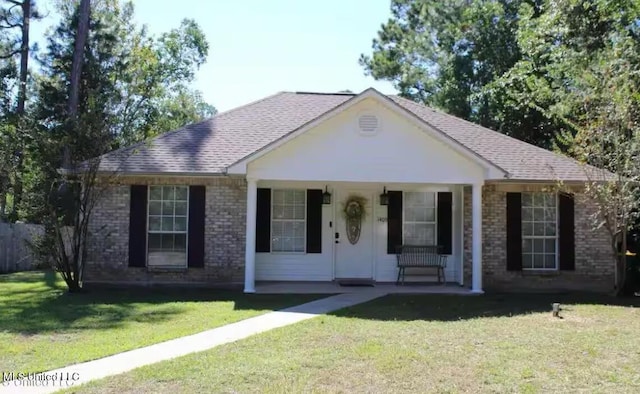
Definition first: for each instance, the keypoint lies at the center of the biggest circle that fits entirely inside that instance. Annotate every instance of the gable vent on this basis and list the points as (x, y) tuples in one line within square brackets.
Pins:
[(368, 124)]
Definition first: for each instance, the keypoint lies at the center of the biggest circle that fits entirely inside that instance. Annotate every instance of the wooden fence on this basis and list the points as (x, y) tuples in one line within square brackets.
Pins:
[(15, 255)]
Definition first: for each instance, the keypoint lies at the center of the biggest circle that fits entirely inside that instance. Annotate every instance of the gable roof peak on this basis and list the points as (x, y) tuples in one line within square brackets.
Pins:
[(214, 144)]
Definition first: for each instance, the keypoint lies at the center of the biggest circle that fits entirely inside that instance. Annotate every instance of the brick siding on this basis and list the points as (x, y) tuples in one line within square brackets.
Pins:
[(224, 234), (225, 240), (594, 266)]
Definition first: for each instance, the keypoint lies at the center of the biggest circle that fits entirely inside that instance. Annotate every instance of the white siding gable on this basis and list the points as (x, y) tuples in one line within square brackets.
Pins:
[(339, 150)]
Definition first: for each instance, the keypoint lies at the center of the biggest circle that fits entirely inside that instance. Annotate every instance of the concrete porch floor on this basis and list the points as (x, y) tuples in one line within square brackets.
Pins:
[(335, 288)]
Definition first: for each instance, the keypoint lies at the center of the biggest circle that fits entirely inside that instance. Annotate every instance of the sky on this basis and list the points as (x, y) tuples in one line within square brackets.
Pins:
[(260, 47)]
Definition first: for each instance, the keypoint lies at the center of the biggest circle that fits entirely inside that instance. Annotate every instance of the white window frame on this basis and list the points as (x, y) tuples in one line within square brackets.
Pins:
[(303, 221), (435, 216), (185, 232), (543, 237)]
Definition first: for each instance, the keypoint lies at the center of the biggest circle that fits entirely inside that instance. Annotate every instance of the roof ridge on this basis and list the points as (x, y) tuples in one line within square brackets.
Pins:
[(224, 113), (326, 93)]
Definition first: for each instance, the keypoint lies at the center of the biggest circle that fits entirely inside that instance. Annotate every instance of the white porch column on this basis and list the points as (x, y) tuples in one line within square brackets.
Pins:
[(476, 250), (250, 236)]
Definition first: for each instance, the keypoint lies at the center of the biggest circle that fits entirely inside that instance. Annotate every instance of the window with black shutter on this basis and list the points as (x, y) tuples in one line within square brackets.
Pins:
[(138, 226), (167, 226)]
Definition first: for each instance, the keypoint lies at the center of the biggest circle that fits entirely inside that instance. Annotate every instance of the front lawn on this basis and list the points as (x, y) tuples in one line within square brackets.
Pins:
[(424, 343), (44, 327)]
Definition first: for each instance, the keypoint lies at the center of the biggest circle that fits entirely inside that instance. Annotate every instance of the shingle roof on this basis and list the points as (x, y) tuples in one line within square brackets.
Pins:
[(520, 159), (211, 146)]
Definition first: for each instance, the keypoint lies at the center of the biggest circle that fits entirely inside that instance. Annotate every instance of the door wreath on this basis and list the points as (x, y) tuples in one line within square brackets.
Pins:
[(354, 213)]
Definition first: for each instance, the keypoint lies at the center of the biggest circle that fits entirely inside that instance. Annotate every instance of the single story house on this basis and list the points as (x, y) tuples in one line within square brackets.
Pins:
[(259, 193)]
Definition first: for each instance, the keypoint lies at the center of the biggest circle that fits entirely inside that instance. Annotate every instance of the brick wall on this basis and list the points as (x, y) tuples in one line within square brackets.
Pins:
[(594, 266), (224, 234), (225, 240)]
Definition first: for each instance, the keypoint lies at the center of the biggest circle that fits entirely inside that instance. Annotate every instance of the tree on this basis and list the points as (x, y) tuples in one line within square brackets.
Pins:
[(78, 57), (580, 68), (132, 74), (116, 87), (559, 41), (136, 85), (594, 80), (159, 81), (70, 263), (73, 197), (448, 54), (17, 15), (76, 71), (609, 137), (8, 137)]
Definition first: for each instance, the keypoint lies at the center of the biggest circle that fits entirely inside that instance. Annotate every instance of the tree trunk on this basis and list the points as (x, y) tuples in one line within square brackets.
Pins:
[(22, 98), (3, 205), (71, 263), (78, 57), (24, 56), (76, 71)]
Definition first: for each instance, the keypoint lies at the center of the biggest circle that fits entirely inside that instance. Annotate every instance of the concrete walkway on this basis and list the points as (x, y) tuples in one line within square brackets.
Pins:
[(77, 374)]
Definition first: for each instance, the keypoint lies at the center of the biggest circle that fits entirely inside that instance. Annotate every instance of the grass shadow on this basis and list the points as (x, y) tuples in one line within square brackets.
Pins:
[(38, 302), (431, 307)]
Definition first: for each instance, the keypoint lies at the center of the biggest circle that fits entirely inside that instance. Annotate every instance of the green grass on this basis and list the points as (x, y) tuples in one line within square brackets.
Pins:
[(492, 343), (44, 327)]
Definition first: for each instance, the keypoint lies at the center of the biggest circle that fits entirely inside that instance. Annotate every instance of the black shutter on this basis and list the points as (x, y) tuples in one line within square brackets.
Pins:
[(138, 226), (314, 221), (514, 231), (197, 200), (445, 205), (566, 232), (394, 221), (263, 221)]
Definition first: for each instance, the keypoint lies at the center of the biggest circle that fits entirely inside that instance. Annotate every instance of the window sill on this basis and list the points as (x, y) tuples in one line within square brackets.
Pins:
[(539, 272), (167, 269)]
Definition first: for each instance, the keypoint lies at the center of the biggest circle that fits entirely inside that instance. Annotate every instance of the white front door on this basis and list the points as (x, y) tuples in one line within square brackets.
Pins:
[(354, 260)]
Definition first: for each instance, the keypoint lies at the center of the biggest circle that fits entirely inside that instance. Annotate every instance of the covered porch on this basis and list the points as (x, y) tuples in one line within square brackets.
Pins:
[(359, 152), (372, 256)]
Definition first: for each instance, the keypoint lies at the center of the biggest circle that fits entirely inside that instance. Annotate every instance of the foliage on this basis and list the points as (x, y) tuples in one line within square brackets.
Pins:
[(608, 136), (449, 54), (131, 78), (509, 65), (355, 208), (561, 42), (65, 241), (581, 66), (16, 17), (135, 85)]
